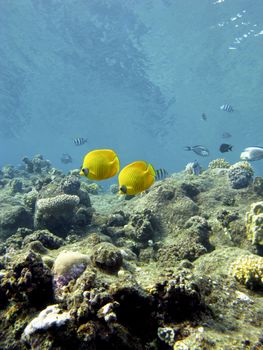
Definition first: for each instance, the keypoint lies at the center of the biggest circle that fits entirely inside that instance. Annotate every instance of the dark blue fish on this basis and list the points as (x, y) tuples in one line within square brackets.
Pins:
[(225, 147), (198, 149), (227, 108), (80, 141)]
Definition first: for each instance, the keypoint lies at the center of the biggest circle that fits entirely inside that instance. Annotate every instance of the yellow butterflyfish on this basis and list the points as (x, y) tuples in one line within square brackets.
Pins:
[(100, 164), (136, 177)]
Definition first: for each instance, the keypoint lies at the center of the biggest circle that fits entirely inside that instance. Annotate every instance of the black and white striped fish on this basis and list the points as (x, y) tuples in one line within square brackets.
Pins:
[(79, 141), (227, 108), (161, 174)]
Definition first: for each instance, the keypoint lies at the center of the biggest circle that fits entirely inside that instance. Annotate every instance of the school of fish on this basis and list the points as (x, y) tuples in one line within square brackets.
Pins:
[(138, 176)]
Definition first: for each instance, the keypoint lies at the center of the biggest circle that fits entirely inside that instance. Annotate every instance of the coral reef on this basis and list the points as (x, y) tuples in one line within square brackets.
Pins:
[(240, 175), (51, 317), (67, 266), (12, 218), (248, 270), (27, 280), (8, 171), (37, 165), (243, 165), (56, 213), (254, 223), (93, 188), (70, 185), (165, 269), (193, 243), (48, 239), (30, 199), (219, 163), (107, 257), (258, 185), (114, 189)]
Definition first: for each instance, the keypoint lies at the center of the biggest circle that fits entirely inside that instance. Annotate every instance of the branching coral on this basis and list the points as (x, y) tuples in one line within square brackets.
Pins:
[(248, 270), (219, 163)]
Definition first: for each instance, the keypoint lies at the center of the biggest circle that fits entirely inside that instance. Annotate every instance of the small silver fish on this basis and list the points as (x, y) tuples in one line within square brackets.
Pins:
[(66, 158), (79, 141), (226, 135), (252, 153), (204, 117), (198, 149), (227, 108)]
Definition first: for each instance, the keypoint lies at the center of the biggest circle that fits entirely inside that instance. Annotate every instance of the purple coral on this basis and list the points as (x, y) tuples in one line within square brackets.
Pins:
[(61, 281), (67, 267)]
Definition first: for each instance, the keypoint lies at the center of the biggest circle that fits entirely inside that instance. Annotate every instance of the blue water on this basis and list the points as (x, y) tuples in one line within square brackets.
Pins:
[(132, 75)]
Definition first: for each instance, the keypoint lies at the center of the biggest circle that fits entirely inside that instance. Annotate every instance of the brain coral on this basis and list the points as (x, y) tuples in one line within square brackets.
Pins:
[(243, 165), (57, 203), (248, 270), (240, 175), (56, 213)]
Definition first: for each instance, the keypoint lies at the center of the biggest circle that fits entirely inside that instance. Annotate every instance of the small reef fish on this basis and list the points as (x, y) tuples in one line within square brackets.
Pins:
[(225, 147), (252, 153), (227, 108), (204, 117), (198, 149), (66, 158), (136, 177), (226, 135), (193, 168), (100, 164), (161, 174), (197, 169), (79, 141)]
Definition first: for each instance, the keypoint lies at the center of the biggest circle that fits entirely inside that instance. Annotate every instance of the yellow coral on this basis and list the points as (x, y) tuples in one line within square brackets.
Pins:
[(254, 223), (219, 163), (248, 270)]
